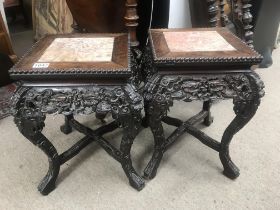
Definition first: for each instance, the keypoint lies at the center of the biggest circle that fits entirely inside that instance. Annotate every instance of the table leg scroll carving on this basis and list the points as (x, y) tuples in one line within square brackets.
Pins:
[(131, 125), (246, 90), (30, 123), (157, 111), (245, 108)]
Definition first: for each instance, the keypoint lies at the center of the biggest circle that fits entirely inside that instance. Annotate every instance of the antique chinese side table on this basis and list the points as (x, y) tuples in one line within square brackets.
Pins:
[(81, 74), (198, 64)]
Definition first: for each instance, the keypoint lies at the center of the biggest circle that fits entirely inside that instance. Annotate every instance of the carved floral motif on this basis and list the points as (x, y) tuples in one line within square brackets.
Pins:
[(199, 87), (85, 100)]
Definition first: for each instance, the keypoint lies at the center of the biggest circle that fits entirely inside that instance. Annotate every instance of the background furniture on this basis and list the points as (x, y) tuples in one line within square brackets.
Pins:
[(6, 63), (96, 21), (266, 29), (5, 41), (51, 17), (233, 14), (13, 6), (200, 12), (200, 64), (54, 17), (2, 10), (11, 3), (265, 20), (91, 16), (82, 74), (7, 55)]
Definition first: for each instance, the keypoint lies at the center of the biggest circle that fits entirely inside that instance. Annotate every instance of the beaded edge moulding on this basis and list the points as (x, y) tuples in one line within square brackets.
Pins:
[(253, 59), (18, 72)]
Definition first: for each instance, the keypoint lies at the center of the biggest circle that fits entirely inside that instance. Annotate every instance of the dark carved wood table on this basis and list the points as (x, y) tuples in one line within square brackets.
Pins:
[(79, 74), (198, 64)]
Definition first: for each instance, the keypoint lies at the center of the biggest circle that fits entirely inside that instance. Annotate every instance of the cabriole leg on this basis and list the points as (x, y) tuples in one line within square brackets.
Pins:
[(131, 125), (157, 111), (245, 109), (30, 123)]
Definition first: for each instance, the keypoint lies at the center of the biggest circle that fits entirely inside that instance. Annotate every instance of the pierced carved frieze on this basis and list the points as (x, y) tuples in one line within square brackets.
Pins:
[(80, 100), (203, 87)]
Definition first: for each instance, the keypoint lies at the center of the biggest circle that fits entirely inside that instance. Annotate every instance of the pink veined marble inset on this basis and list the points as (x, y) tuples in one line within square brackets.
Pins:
[(196, 41), (79, 50)]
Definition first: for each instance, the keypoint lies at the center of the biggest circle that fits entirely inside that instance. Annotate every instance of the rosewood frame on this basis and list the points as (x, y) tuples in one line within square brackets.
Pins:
[(181, 83), (72, 94)]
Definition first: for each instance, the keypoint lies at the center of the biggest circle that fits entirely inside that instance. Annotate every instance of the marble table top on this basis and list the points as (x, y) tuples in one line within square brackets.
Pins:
[(79, 50), (196, 41)]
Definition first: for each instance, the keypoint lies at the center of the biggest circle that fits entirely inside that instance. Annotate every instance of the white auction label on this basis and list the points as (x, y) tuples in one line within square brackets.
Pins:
[(41, 65)]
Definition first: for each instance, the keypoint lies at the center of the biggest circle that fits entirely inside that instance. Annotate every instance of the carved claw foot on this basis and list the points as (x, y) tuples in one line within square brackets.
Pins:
[(47, 185), (230, 169), (151, 170), (136, 181), (46, 188), (231, 174)]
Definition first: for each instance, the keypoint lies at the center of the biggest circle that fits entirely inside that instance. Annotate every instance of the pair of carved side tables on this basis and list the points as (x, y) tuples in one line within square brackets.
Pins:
[(204, 64)]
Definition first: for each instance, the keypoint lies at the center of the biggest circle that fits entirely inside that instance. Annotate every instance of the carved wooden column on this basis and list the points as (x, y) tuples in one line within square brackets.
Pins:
[(247, 19), (213, 12), (224, 17), (237, 13), (132, 20)]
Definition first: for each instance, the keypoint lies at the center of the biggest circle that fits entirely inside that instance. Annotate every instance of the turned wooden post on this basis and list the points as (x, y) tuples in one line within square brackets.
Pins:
[(131, 18), (224, 17), (212, 12), (247, 19)]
